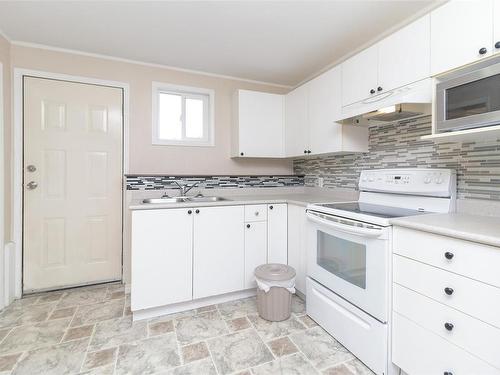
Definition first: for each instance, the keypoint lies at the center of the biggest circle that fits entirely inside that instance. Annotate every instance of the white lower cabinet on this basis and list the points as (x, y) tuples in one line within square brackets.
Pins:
[(297, 244), (445, 305), (161, 257), (277, 241), (218, 250), (420, 352), (255, 250), (181, 254)]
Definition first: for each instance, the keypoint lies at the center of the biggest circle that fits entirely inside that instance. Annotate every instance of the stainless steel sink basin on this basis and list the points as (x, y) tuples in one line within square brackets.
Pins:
[(182, 200), (165, 200), (206, 199)]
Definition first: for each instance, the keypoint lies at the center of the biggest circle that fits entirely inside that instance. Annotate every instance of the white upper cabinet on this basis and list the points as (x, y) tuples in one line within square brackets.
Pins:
[(258, 124), (296, 126), (404, 57), (325, 95), (310, 121), (496, 26), (396, 61), (461, 33), (360, 76)]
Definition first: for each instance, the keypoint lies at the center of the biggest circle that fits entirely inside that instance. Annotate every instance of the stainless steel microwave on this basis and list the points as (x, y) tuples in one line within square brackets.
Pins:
[(468, 97)]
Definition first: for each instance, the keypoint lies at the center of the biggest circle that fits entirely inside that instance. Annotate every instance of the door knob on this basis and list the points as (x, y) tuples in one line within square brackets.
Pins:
[(32, 185)]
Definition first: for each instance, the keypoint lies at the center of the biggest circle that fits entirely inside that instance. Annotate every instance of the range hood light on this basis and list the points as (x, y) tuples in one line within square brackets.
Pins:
[(389, 109)]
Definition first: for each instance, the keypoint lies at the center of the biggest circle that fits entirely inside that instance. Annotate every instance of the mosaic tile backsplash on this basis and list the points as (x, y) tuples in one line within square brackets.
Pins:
[(135, 182), (398, 145)]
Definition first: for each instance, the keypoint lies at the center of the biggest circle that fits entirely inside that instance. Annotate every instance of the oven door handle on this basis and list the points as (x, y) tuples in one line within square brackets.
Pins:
[(358, 231)]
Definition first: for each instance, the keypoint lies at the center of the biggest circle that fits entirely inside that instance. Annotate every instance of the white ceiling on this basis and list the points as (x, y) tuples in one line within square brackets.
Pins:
[(282, 42)]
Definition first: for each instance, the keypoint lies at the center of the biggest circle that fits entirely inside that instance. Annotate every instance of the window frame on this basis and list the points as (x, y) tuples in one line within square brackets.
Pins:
[(186, 92)]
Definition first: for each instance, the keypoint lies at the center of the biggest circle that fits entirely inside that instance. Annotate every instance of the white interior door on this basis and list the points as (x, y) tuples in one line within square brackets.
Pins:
[(72, 184)]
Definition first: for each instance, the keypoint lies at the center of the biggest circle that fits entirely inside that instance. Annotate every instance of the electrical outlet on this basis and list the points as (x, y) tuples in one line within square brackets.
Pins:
[(320, 181)]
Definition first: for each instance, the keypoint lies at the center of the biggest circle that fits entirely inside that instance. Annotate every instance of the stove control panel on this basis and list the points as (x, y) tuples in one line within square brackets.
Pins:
[(434, 182)]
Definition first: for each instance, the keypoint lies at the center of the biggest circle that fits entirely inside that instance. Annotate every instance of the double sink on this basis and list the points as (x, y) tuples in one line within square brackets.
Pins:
[(185, 199)]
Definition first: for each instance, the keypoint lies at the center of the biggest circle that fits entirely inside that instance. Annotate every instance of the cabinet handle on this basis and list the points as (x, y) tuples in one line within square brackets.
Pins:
[(448, 326), (497, 45), (271, 207), (241, 153), (447, 373), (248, 225), (190, 212), (448, 291), (197, 211), (379, 88), (256, 213), (448, 255), (305, 151), (482, 51), (372, 91), (308, 151)]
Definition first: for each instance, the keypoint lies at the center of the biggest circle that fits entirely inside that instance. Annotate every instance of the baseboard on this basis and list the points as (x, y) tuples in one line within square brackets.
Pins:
[(184, 306), (301, 295)]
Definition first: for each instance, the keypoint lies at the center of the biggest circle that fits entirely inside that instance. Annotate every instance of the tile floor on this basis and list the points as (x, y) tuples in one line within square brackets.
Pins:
[(90, 331)]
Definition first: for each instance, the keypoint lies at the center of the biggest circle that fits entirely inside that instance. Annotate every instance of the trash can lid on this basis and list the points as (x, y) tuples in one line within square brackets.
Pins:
[(275, 272)]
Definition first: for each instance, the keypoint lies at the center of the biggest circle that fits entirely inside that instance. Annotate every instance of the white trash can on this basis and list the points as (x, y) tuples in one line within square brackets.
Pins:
[(275, 286)]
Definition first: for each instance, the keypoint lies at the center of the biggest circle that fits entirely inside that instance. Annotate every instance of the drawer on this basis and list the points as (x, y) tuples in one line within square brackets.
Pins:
[(472, 335), (418, 351), (479, 262), (472, 297), (363, 335), (256, 212)]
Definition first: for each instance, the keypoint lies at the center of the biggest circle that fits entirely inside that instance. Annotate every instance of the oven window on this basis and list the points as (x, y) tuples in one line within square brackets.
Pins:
[(473, 98), (342, 258)]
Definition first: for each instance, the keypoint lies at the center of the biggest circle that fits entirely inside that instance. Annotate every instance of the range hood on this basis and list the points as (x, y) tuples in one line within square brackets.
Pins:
[(398, 112), (407, 102)]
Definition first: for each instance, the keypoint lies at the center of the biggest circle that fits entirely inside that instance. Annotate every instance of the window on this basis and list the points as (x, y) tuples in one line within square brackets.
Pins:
[(182, 116)]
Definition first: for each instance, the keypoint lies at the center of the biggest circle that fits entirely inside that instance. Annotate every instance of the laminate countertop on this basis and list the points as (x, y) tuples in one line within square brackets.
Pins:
[(476, 228), (302, 199)]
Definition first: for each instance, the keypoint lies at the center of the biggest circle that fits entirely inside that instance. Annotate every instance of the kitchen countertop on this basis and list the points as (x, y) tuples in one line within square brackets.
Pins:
[(302, 199), (476, 228)]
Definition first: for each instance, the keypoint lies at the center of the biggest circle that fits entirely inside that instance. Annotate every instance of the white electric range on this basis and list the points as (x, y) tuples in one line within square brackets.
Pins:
[(349, 255)]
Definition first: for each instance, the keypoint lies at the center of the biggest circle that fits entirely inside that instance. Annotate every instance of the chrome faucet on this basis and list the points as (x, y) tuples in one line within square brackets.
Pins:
[(185, 188)]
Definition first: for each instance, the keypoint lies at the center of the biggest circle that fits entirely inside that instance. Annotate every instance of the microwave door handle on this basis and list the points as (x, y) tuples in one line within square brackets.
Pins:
[(364, 232)]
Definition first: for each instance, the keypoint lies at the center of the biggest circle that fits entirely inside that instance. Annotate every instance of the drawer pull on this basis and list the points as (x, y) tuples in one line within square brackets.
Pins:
[(448, 291), (448, 326), (447, 373), (448, 255)]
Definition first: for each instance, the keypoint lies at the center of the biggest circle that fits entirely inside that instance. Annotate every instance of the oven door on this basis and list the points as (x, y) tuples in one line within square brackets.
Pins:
[(469, 98), (351, 259)]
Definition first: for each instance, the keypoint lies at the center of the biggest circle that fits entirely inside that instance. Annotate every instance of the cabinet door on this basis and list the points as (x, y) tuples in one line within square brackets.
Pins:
[(218, 265), (359, 76), (260, 124), (255, 250), (297, 244), (162, 254), (296, 122), (325, 104), (459, 29), (496, 27), (277, 240), (405, 56)]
